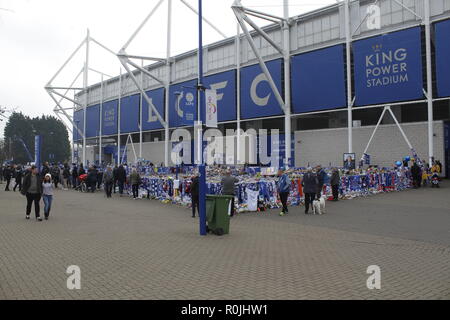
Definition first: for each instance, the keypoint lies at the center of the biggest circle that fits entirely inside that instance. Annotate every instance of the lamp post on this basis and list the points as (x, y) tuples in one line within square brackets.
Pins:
[(200, 89)]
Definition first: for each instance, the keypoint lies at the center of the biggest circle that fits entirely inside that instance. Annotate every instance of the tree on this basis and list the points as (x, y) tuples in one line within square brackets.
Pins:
[(21, 130)]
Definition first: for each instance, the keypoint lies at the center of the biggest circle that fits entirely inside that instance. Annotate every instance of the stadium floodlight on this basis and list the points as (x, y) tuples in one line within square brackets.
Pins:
[(243, 16), (126, 61), (54, 90)]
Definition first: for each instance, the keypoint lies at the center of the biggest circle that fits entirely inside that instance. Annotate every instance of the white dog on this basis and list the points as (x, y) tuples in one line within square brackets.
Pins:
[(319, 206)]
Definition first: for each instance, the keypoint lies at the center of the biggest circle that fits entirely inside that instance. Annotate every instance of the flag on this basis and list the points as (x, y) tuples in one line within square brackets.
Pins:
[(211, 108)]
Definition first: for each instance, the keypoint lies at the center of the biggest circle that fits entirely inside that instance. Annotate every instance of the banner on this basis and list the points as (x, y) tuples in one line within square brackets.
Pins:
[(388, 68), (277, 149), (183, 104), (211, 108), (149, 119), (257, 97), (318, 80), (225, 85), (129, 114), (110, 117), (93, 121), (78, 121), (442, 43), (37, 151)]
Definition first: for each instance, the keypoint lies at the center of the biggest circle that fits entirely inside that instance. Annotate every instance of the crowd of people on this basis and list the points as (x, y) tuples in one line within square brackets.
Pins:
[(40, 184)]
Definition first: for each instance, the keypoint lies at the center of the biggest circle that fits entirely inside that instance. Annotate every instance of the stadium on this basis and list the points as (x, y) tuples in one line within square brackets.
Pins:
[(340, 76)]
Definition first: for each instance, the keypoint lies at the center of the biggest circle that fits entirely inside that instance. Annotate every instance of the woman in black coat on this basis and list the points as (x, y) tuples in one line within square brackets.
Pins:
[(335, 181), (310, 184)]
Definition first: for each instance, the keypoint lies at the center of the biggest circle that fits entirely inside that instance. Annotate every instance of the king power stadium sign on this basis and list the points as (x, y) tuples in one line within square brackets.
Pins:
[(386, 68)]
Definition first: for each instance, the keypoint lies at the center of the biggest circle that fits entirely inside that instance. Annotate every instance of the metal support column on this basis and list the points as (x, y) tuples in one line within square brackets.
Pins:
[(140, 113), (100, 149), (348, 40), (118, 117), (287, 84), (238, 93), (202, 168), (168, 79), (429, 81), (86, 94)]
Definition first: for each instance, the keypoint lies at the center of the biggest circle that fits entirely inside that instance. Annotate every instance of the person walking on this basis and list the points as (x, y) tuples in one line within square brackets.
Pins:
[(195, 192), (55, 175), (18, 178), (283, 187), (335, 182), (32, 189), (135, 181), (108, 179), (114, 178), (74, 176), (321, 175), (121, 177), (310, 184), (47, 195), (66, 176), (92, 179), (45, 169), (229, 189), (99, 177), (7, 174), (416, 175)]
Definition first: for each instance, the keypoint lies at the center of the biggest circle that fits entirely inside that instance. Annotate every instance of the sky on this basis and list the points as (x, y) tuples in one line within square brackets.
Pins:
[(38, 36)]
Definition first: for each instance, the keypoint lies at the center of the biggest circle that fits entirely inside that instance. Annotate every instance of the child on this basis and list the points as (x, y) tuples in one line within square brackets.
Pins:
[(47, 194)]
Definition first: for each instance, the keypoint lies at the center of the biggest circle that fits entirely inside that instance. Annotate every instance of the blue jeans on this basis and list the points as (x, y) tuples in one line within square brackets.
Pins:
[(47, 204)]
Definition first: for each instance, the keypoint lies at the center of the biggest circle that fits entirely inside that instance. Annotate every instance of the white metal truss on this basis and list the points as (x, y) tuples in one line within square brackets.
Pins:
[(428, 92), (388, 109), (242, 15), (126, 60), (125, 150), (53, 90)]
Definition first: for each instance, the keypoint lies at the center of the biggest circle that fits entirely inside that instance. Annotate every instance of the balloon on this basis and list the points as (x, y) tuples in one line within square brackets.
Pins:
[(398, 163), (407, 158)]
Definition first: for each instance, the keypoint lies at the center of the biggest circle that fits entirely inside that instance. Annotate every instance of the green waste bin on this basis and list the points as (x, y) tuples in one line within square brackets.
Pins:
[(217, 213)]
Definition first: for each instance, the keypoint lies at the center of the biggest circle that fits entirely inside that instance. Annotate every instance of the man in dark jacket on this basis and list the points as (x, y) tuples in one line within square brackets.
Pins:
[(55, 175), (66, 176), (114, 173), (32, 189), (121, 176), (228, 188), (99, 177), (45, 169), (310, 185), (7, 174), (335, 182), (416, 175), (74, 176), (92, 179), (321, 175), (195, 191), (18, 177), (107, 180)]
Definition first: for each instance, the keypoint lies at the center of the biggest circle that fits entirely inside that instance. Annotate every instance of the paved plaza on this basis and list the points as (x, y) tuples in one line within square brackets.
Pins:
[(148, 250)]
